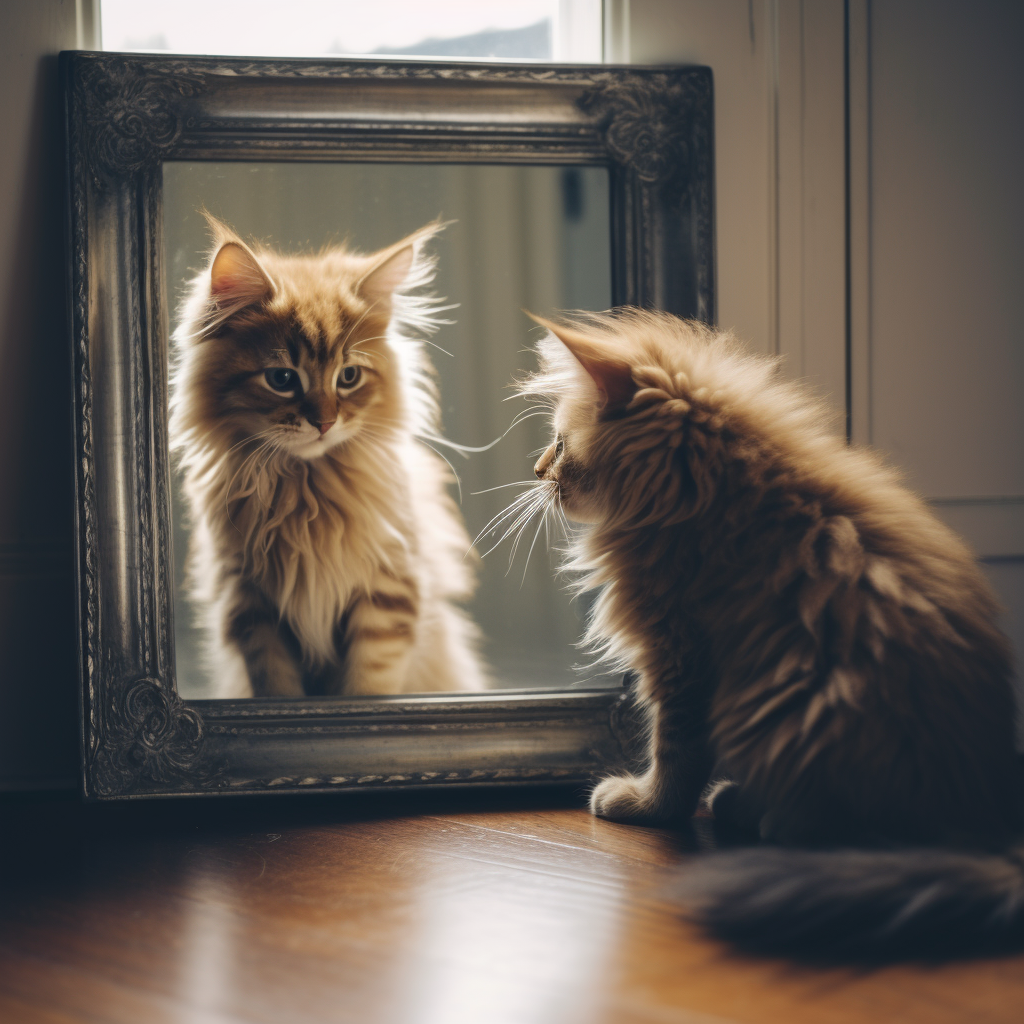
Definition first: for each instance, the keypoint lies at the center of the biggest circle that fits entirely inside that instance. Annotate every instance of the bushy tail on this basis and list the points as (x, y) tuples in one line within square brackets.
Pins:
[(859, 905)]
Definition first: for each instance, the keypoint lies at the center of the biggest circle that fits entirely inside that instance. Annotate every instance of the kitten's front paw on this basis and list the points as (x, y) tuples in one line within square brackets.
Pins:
[(621, 798)]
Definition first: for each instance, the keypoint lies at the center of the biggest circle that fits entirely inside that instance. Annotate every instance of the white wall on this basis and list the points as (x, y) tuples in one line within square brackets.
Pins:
[(38, 674)]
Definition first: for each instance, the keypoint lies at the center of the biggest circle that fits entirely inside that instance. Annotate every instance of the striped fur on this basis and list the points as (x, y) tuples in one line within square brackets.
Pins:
[(798, 618), (327, 556)]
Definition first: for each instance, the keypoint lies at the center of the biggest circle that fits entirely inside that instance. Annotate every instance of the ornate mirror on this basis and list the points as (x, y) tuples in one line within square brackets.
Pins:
[(562, 187)]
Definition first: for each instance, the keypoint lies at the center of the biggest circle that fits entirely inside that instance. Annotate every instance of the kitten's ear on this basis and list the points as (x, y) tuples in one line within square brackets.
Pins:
[(609, 371), (391, 267)]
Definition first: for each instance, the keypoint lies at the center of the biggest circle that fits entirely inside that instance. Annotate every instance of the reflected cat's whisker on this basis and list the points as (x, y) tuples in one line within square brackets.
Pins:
[(434, 344), (229, 494), (251, 437), (348, 333), (242, 466)]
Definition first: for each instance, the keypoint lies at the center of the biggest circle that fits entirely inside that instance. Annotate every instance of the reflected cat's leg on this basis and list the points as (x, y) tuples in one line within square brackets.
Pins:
[(445, 657), (380, 632), (679, 765), (252, 625)]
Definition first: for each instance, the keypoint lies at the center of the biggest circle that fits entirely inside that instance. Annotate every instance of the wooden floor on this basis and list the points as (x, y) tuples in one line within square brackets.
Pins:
[(507, 908)]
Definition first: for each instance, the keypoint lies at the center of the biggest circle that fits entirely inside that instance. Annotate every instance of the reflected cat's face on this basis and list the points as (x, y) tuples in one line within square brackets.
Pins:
[(288, 355), (306, 380)]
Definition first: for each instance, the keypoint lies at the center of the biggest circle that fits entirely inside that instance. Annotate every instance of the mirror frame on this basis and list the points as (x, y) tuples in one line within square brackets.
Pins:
[(126, 114)]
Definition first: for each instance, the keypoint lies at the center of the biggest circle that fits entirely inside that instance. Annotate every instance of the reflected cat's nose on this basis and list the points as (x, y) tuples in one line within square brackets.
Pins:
[(323, 427)]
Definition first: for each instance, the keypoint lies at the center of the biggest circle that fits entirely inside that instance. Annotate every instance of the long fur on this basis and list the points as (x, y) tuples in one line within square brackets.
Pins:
[(319, 565), (800, 619)]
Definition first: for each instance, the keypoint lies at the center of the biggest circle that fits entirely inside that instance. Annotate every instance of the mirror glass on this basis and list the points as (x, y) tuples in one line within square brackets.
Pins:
[(533, 237)]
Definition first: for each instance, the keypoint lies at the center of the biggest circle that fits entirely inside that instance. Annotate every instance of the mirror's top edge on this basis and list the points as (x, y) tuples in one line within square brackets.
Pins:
[(380, 67), (485, 704)]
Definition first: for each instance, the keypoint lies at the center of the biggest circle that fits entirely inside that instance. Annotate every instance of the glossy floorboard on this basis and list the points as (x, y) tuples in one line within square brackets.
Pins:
[(510, 908)]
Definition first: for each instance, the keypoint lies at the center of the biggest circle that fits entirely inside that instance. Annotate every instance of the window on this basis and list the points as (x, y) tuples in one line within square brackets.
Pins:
[(543, 30)]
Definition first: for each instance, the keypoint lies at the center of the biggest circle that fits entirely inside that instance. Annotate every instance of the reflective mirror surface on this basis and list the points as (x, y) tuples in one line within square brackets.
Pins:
[(534, 237)]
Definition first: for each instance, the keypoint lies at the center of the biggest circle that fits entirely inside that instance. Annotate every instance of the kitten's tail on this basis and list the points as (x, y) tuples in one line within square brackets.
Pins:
[(859, 905)]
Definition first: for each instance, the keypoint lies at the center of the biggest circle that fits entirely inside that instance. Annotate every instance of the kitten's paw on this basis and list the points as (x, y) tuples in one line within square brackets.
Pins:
[(622, 798), (731, 807), (719, 797)]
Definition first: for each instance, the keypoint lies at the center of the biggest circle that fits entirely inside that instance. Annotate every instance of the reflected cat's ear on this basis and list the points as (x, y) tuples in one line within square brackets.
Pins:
[(237, 279), (399, 264), (609, 370), (379, 284)]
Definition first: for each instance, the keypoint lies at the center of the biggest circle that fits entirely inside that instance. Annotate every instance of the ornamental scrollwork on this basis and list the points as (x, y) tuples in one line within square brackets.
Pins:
[(651, 124), (150, 734), (133, 117)]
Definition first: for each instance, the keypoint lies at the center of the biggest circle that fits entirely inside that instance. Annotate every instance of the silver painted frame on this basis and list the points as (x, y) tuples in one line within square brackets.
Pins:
[(125, 115)]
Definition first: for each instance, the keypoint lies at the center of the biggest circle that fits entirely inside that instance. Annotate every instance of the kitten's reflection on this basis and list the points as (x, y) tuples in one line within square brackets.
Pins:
[(326, 556)]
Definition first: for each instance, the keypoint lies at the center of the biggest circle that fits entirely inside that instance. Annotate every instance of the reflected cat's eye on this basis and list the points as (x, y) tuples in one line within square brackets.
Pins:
[(350, 376), (281, 379), (559, 447)]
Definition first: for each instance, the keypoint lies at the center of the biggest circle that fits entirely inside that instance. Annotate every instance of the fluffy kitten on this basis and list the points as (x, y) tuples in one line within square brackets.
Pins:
[(799, 619), (326, 552)]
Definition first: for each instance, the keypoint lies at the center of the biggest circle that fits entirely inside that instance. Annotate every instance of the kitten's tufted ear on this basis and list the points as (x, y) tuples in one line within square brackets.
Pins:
[(392, 267), (609, 371)]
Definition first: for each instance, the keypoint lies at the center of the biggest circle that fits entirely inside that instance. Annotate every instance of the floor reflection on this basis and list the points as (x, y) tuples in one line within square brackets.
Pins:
[(531, 944)]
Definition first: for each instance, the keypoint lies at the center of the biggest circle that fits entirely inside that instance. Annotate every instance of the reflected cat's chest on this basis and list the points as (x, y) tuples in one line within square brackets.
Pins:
[(315, 567)]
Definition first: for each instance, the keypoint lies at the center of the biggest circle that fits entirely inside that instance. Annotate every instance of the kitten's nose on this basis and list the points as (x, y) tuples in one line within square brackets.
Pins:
[(544, 462), (323, 427)]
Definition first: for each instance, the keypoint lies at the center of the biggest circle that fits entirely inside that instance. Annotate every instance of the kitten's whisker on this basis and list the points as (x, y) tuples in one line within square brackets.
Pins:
[(536, 533), (525, 414), (517, 524), (458, 482), (526, 510), (539, 499), (515, 483), (438, 439), (509, 510), (523, 523), (464, 449), (493, 525)]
